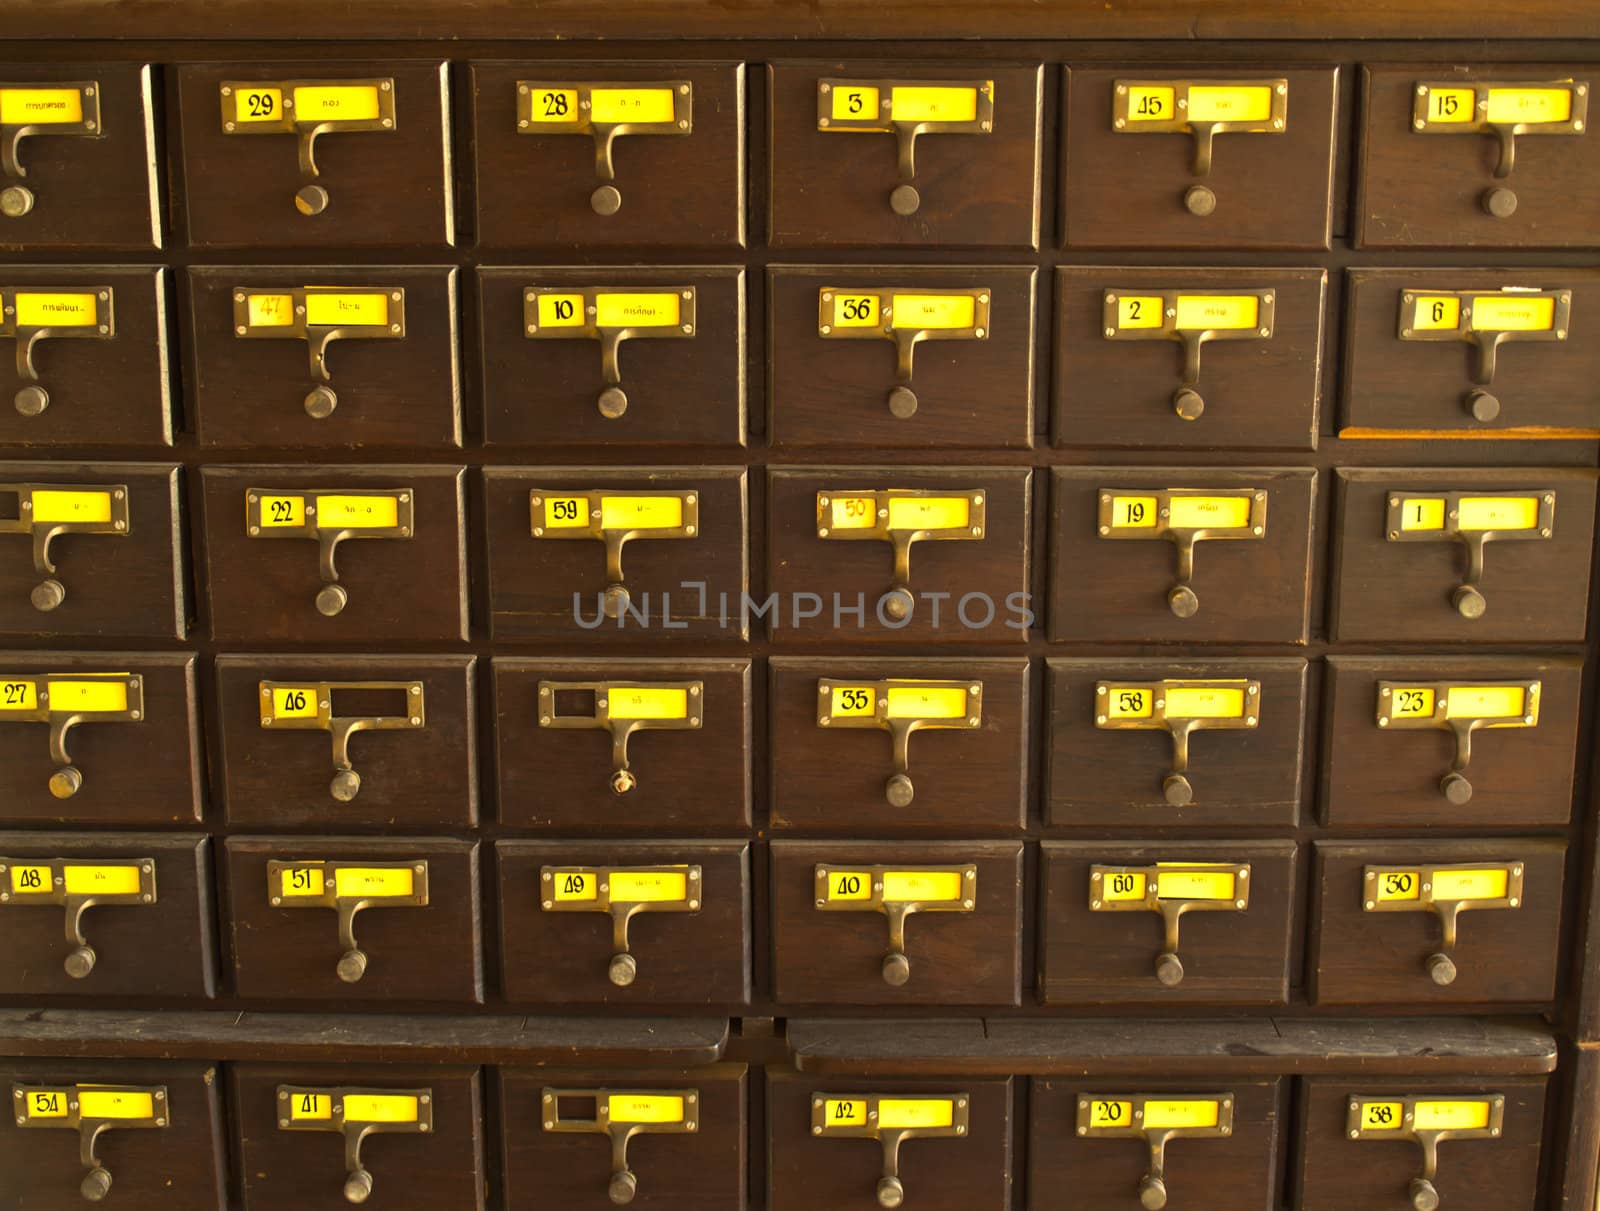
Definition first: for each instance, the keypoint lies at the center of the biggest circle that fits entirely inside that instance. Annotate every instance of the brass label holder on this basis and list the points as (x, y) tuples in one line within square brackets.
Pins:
[(329, 516), (48, 511), (1183, 517), (907, 317), (1155, 1119), (69, 108), (1447, 890), (64, 700), (622, 893), (623, 708), (896, 892), (308, 705), (347, 887), (615, 519), (91, 1111), (1427, 1122), (603, 111), (1472, 519), (1180, 708), (78, 884), (31, 314), (1460, 708), (610, 315), (1170, 890), (355, 1113), (906, 109), (619, 1115), (320, 315), (308, 109), (899, 706), (891, 1119), (1193, 318), (902, 517)]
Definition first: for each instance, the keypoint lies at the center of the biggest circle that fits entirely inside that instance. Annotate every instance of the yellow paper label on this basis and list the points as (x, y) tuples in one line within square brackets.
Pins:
[(1140, 311), (926, 702), (1498, 512), (566, 512), (855, 101), (641, 512), (647, 703), (855, 310), (19, 696), (1399, 885), (929, 513), (1486, 702), (47, 1103), (40, 106), (380, 1108), (101, 880), (575, 885), (80, 508), (115, 1104), (56, 310), (1530, 106), (358, 512), (1452, 105), (258, 104), (302, 881), (844, 1112), (853, 701), (294, 702), (373, 881), (1450, 1116), (1185, 1112), (279, 512), (898, 1113), (1123, 702), (88, 697), (1422, 513), (348, 310), (924, 104), (1513, 313), (649, 886), (336, 103), (1230, 102), (1208, 703), (1196, 311), (316, 1107), (659, 309), (1133, 512), (613, 105), (941, 311), (1208, 512), (1195, 884), (553, 106), (31, 880), (1487, 884), (1110, 1114), (644, 1108), (1411, 702), (1382, 1116), (1152, 103), (1434, 313), (932, 885), (854, 512), (561, 311), (269, 310)]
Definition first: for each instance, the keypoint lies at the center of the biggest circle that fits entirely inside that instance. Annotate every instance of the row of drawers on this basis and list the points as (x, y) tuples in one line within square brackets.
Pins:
[(380, 553), (397, 921), (663, 747), (375, 164), (885, 355), (1231, 1144)]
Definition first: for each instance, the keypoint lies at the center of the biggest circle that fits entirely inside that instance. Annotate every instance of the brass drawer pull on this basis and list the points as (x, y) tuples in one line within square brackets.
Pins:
[(297, 706), (901, 517), (1193, 319), (1183, 517), (47, 511), (1170, 889), (1485, 319), (619, 1115), (614, 518), (891, 1119), (65, 108), (906, 317), (320, 315), (610, 315), (1472, 519), (34, 314), (355, 1112), (348, 888), (91, 1111), (1156, 1119), (622, 892), (1461, 709), (623, 708), (1426, 1121), (329, 516), (78, 884), (1179, 708), (899, 706), (64, 700), (1447, 890), (896, 892)]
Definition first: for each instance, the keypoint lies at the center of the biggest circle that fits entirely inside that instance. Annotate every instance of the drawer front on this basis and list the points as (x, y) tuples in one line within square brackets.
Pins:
[(123, 945), (415, 932), (1129, 374), (969, 584), (589, 746), (1427, 183), (290, 1161), (1226, 752), (1477, 1171), (1137, 174), (1398, 951), (69, 577), (677, 168), (95, 373), (393, 748), (76, 743), (1422, 355), (662, 366), (374, 184), (971, 187), (1404, 571), (686, 908), (90, 158), (951, 364), (168, 1152), (372, 365), (1433, 741), (1109, 938), (557, 582), (946, 749), (952, 954), (275, 584), (846, 1166), (1085, 1138), (1249, 588), (687, 1148)]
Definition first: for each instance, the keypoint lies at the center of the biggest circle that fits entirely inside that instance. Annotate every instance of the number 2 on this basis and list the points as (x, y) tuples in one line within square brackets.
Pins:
[(260, 104), (555, 105), (14, 691)]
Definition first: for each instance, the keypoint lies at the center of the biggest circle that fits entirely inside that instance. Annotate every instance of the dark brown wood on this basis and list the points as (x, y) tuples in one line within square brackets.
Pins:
[(1580, 1150)]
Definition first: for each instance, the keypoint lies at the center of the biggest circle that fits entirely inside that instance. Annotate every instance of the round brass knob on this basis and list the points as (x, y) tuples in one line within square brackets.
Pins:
[(613, 402), (31, 400), (622, 1187), (623, 971), (623, 781), (1481, 406), (1169, 969), (897, 604), (66, 782), (1177, 791), (352, 966), (615, 599), (899, 791), (357, 1186), (1199, 201), (15, 201), (320, 402), (1500, 202), (311, 199), (1183, 601), (905, 199), (1152, 1193), (80, 962), (1188, 403), (896, 969), (606, 200), (1456, 788), (891, 1192), (96, 1184), (903, 403), (47, 595), (331, 599), (1424, 1195), (1441, 969), (1469, 603), (346, 785)]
